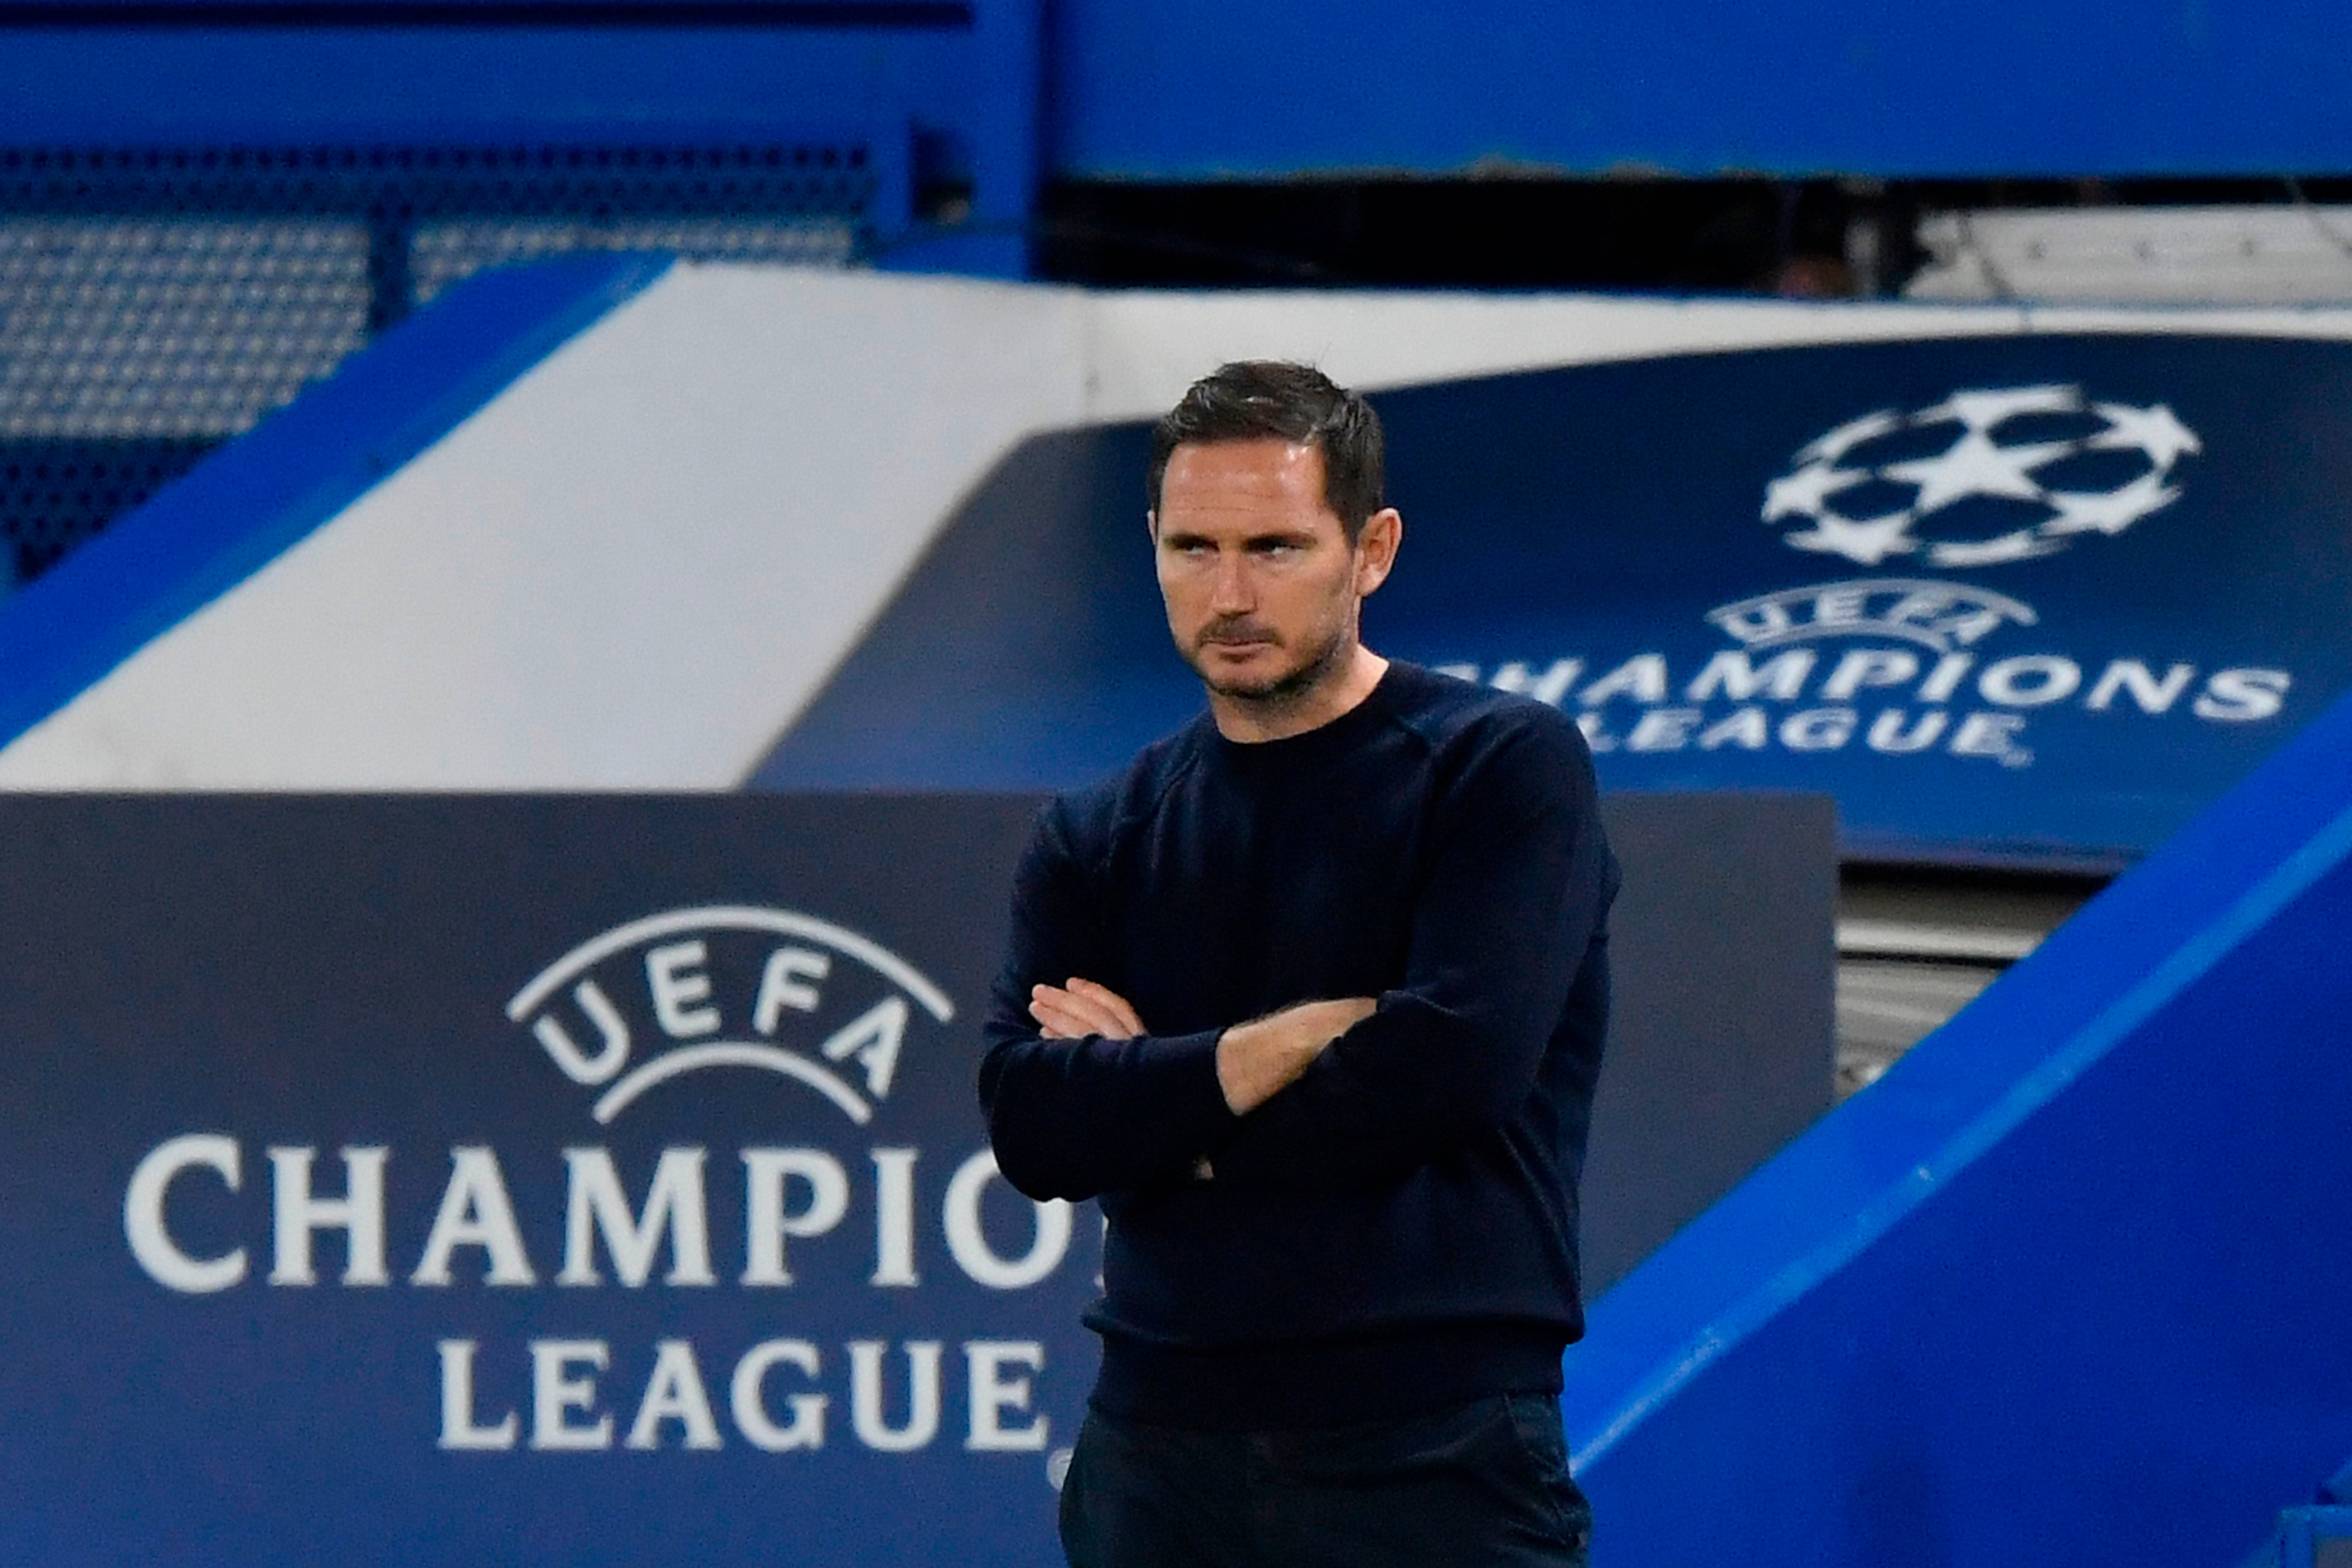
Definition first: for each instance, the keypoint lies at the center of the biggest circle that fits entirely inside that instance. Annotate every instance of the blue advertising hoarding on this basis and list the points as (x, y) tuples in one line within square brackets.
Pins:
[(518, 1181), (601, 1180), (2030, 600)]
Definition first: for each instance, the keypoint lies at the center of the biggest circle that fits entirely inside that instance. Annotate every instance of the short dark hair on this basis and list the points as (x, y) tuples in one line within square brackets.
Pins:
[(1252, 400)]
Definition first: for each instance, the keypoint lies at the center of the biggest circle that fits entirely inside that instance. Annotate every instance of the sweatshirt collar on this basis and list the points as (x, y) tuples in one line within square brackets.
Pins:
[(1329, 739)]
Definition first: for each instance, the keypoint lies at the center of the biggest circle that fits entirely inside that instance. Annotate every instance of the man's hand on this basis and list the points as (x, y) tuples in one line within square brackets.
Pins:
[(1258, 1060), (1255, 1060), (1082, 1007)]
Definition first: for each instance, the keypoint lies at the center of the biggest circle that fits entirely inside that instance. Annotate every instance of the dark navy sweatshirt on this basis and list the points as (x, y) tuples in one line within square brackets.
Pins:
[(1397, 1229)]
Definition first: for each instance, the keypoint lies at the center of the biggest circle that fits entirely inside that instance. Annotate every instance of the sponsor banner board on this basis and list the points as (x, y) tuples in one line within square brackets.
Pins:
[(504, 1179), (2033, 599), (519, 1180)]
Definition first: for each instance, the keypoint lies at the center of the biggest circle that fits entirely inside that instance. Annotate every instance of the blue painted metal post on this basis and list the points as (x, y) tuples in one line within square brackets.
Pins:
[(1007, 149), (2318, 1537)]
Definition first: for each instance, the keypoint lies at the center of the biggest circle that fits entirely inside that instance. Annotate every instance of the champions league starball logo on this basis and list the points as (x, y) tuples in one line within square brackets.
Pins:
[(1981, 479), (1908, 665)]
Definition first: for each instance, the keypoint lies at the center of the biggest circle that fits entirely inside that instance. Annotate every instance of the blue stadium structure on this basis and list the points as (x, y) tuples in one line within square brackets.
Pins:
[(2058, 1288)]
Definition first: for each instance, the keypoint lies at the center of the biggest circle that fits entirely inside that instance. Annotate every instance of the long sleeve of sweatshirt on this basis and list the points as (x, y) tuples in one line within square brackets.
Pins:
[(1075, 1118)]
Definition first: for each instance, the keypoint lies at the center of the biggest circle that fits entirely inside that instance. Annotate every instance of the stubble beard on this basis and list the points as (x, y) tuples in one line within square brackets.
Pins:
[(1273, 695)]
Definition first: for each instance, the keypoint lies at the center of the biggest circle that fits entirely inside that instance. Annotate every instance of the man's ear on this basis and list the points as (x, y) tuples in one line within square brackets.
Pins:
[(1376, 549), (1151, 525)]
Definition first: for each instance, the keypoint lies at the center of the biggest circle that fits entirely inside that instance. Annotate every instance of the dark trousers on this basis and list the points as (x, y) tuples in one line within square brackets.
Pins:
[(1483, 1484)]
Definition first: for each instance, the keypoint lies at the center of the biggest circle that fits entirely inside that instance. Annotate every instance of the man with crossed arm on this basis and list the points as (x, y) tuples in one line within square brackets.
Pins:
[(1311, 995)]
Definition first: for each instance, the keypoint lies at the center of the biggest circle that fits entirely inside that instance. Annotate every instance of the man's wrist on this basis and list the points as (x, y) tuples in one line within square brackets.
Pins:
[(1253, 1065), (1258, 1060)]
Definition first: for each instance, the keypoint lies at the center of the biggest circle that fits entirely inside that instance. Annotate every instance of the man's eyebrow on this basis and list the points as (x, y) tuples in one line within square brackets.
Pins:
[(1291, 535)]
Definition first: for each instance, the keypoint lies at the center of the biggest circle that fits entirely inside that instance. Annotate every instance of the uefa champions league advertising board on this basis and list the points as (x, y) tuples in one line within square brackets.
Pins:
[(2036, 598), (601, 1180), (512, 1180)]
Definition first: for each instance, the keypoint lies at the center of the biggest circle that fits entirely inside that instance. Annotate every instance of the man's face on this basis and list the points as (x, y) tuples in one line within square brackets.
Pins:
[(1261, 584)]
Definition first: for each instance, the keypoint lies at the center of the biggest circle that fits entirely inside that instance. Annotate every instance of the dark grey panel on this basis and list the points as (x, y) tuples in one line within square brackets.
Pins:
[(1721, 1044)]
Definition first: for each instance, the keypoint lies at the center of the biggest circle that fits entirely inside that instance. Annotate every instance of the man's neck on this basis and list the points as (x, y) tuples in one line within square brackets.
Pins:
[(1350, 681)]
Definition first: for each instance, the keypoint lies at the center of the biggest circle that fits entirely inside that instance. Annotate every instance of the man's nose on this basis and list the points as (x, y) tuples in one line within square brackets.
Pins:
[(1232, 594)]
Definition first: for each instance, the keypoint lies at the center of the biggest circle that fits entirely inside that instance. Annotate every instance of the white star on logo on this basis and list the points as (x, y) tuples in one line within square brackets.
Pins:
[(1983, 410), (2153, 430), (1975, 466), (1869, 541), (2112, 511), (1803, 491), (1829, 449)]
